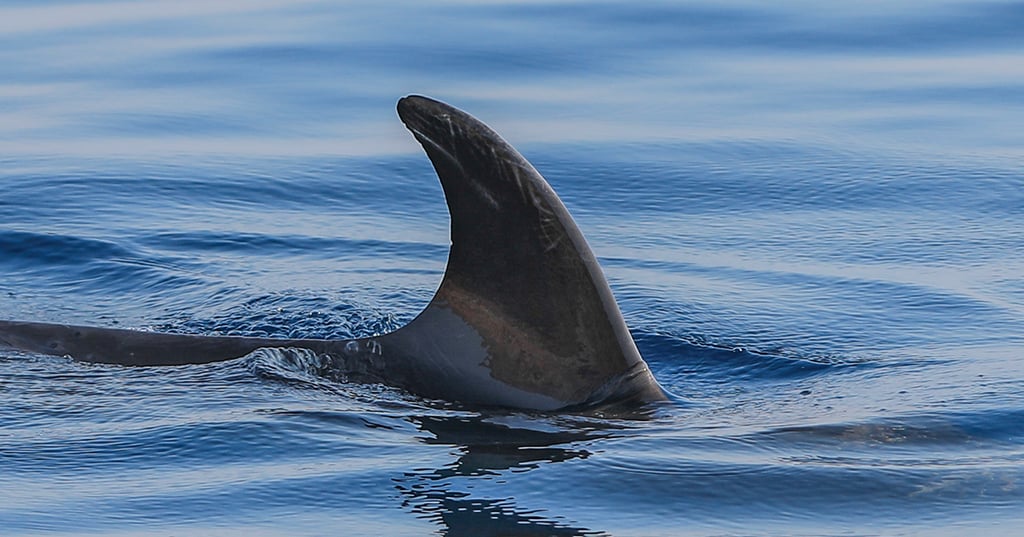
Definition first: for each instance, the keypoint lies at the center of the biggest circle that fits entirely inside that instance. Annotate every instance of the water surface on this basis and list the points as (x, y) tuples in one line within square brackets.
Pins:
[(811, 218)]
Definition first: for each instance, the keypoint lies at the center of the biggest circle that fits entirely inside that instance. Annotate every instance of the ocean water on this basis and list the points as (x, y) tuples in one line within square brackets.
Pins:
[(812, 217)]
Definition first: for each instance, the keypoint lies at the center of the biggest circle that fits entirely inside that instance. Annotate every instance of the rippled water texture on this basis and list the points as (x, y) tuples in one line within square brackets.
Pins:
[(811, 217)]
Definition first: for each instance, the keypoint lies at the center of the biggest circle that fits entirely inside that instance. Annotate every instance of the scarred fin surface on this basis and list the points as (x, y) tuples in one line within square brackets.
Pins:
[(523, 317)]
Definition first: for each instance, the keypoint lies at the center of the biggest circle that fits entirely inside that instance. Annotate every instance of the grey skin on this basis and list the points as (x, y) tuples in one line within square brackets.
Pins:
[(524, 317)]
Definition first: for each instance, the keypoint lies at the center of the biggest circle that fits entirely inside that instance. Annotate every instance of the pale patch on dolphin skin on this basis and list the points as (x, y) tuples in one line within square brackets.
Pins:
[(523, 318)]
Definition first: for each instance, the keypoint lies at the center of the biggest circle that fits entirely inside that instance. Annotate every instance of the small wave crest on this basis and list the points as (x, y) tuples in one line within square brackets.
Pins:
[(675, 355), (291, 365)]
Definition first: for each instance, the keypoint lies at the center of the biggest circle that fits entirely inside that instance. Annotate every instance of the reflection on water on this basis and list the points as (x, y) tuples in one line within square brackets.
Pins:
[(490, 447)]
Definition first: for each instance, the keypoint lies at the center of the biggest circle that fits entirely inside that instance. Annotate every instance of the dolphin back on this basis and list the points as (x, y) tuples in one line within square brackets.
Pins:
[(523, 317), (133, 347)]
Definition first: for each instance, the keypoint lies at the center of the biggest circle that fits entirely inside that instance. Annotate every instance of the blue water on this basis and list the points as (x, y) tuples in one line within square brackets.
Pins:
[(812, 218)]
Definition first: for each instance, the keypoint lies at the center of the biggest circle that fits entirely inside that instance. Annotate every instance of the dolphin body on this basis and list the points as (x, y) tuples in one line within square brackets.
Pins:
[(523, 318)]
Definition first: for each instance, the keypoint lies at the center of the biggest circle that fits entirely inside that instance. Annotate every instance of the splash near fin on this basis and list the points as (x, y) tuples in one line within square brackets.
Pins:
[(523, 317)]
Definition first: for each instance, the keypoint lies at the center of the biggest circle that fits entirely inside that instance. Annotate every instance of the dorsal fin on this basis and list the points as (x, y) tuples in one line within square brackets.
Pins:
[(520, 272), (523, 317)]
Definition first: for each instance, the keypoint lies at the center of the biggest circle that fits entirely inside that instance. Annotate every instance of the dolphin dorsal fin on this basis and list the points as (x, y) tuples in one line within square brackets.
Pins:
[(523, 317), (520, 273)]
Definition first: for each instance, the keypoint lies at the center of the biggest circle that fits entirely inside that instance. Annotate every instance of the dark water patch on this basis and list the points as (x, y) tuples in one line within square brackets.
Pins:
[(250, 244), (91, 266), (156, 125), (812, 313), (488, 58), (675, 357), (803, 496), (956, 27), (25, 249), (169, 502), (657, 15), (129, 187), (744, 177), (960, 94), (202, 444), (890, 470), (896, 28), (955, 437)]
